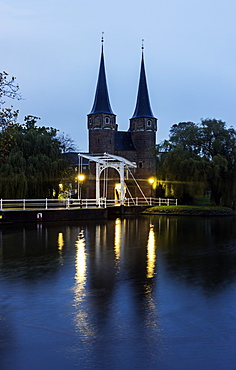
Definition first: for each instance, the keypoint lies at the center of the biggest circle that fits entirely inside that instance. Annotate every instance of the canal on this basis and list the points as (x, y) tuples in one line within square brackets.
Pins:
[(136, 293)]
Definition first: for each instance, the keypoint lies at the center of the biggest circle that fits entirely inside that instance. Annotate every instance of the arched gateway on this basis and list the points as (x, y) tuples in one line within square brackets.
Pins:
[(137, 144)]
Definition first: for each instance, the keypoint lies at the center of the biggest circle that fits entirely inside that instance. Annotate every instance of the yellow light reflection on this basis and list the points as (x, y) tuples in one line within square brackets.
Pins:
[(151, 253), (60, 241), (117, 241), (81, 316), (80, 262)]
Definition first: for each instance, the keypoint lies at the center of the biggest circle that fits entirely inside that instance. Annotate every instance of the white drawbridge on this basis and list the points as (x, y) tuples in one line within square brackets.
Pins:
[(109, 160)]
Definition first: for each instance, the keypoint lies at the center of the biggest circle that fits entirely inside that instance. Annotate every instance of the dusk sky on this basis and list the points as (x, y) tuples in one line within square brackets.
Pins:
[(53, 48)]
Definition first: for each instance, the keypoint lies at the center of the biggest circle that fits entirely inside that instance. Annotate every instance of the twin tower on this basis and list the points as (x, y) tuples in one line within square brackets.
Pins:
[(138, 143)]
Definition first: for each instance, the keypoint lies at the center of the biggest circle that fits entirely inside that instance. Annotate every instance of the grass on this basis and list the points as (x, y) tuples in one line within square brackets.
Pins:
[(190, 210)]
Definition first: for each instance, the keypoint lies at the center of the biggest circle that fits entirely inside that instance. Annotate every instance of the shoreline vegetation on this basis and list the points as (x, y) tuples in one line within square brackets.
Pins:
[(190, 211)]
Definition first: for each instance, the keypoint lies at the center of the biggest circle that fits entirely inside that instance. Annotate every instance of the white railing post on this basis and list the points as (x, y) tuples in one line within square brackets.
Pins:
[(87, 203)]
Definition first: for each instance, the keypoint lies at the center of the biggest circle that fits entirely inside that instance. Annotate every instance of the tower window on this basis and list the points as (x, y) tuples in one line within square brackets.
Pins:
[(107, 120), (149, 123), (97, 122)]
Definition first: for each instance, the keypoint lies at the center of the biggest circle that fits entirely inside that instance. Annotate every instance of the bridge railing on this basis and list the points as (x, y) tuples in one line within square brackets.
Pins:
[(42, 204), (30, 204)]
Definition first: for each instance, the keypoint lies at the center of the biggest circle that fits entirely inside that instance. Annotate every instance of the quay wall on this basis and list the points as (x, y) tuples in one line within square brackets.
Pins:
[(12, 216), (125, 210)]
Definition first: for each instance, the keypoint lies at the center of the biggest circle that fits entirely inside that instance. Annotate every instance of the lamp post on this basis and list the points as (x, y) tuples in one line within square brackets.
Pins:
[(81, 178), (151, 182)]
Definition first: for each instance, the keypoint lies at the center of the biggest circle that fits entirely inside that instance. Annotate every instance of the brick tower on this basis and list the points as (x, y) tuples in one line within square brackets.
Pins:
[(101, 119), (143, 127), (137, 144)]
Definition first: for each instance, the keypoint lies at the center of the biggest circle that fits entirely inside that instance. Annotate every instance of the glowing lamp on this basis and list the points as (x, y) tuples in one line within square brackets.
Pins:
[(81, 177)]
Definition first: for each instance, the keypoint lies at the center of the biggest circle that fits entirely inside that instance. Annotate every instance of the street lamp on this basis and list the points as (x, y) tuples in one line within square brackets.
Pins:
[(81, 178), (151, 181)]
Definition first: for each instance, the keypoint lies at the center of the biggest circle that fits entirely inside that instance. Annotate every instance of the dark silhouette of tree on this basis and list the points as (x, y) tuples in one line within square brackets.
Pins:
[(199, 158), (31, 159), (8, 89), (32, 162)]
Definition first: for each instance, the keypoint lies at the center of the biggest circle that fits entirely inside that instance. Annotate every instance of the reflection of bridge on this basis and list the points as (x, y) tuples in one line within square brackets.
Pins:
[(40, 204)]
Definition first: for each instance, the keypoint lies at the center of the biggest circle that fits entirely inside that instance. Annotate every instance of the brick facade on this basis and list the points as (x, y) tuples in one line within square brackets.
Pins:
[(137, 144)]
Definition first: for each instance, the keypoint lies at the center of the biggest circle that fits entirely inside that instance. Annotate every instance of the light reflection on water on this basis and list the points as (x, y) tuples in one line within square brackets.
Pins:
[(151, 253), (60, 241), (148, 292), (118, 238), (82, 320)]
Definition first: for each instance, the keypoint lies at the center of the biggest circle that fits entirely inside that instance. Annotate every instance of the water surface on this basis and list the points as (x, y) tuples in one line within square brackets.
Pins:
[(138, 293)]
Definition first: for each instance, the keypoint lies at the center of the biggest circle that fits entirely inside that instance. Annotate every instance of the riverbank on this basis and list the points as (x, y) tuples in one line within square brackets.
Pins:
[(12, 216), (71, 214), (190, 211)]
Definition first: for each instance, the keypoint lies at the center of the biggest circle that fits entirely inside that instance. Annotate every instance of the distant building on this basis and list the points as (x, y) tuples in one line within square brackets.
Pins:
[(137, 144)]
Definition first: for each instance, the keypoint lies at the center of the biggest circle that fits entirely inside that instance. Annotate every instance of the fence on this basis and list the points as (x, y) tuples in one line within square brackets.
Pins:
[(31, 204)]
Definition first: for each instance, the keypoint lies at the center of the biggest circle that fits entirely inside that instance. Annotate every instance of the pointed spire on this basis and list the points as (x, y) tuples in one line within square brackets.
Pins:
[(101, 101), (143, 107)]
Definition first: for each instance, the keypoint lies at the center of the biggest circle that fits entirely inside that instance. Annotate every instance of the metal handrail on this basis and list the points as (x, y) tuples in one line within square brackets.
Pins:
[(68, 203)]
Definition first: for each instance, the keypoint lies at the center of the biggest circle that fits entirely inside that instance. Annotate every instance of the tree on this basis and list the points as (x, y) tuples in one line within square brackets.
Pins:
[(8, 117), (180, 172), (218, 149), (185, 135), (32, 165), (67, 143), (215, 139), (200, 157), (31, 160), (8, 89)]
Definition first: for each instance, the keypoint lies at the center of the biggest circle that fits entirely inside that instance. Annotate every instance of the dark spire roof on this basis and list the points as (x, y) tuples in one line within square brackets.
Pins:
[(101, 101), (143, 107)]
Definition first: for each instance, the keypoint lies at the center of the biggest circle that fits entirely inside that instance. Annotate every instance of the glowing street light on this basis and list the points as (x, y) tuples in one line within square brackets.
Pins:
[(151, 181), (81, 178)]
